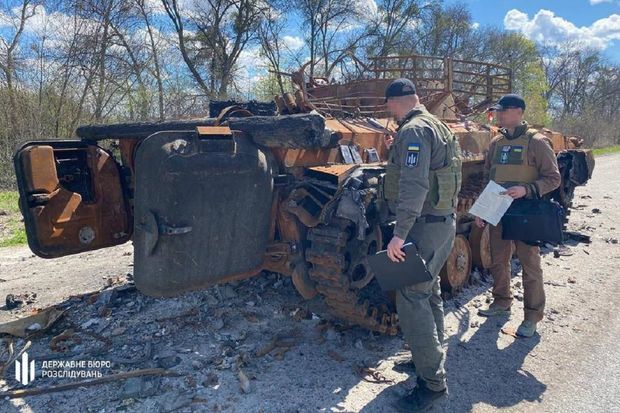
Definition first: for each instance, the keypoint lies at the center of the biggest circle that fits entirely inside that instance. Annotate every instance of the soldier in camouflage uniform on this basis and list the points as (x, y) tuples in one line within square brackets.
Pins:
[(521, 160), (422, 182)]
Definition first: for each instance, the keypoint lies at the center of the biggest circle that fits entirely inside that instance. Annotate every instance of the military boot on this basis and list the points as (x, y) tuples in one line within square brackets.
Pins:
[(405, 366), (420, 399), (494, 310), (527, 329)]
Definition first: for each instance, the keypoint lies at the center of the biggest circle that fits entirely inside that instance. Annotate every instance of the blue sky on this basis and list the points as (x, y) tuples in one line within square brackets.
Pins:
[(555, 21)]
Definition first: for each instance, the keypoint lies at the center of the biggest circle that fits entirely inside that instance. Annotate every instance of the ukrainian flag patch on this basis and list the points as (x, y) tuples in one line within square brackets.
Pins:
[(414, 147), (517, 149)]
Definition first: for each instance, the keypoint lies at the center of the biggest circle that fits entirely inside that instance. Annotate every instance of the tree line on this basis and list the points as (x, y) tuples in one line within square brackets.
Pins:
[(68, 62)]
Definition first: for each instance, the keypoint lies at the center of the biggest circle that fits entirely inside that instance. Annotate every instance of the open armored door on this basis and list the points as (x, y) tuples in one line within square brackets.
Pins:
[(202, 210), (72, 198)]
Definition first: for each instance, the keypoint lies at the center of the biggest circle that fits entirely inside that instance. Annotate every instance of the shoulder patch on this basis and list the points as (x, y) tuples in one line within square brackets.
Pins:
[(413, 155)]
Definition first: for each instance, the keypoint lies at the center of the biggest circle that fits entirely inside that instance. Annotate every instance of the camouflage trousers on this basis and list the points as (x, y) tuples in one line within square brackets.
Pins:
[(420, 306)]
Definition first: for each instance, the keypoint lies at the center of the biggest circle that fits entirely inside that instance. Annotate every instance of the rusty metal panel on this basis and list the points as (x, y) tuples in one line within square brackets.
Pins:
[(308, 157), (363, 134), (214, 131), (39, 168), (557, 140), (127, 148), (358, 132), (72, 198), (339, 171)]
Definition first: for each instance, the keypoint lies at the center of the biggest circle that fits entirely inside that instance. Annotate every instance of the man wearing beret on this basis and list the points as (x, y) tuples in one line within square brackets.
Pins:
[(521, 160), (422, 181)]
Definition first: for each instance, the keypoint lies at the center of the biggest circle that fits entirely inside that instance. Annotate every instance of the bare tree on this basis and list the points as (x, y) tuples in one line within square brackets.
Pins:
[(393, 21), (73, 58), (172, 9), (444, 30), (573, 85), (8, 56), (226, 27), (270, 36), (604, 94), (586, 105), (156, 69), (333, 29)]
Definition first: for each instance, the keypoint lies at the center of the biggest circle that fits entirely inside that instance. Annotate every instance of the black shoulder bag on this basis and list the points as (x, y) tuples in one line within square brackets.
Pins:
[(533, 221)]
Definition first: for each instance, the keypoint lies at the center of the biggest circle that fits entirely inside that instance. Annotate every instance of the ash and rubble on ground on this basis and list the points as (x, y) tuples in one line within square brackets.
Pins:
[(225, 338), (222, 337), (240, 346), (223, 341)]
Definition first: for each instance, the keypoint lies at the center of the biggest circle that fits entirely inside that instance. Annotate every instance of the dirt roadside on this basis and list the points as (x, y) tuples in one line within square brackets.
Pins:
[(313, 365)]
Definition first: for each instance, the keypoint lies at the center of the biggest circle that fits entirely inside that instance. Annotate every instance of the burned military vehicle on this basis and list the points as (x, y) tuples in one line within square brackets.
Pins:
[(299, 192)]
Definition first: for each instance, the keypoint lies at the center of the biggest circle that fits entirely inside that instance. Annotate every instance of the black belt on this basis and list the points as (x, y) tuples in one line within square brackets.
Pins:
[(428, 219)]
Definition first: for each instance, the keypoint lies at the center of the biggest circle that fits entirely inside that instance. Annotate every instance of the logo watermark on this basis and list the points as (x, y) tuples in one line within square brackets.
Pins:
[(24, 370), (74, 369)]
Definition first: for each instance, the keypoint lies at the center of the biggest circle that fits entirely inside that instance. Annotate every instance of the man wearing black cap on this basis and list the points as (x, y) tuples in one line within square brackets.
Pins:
[(423, 178), (521, 160)]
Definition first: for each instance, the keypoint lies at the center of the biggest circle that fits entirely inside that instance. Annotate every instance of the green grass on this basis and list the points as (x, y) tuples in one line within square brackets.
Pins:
[(605, 151), (12, 221)]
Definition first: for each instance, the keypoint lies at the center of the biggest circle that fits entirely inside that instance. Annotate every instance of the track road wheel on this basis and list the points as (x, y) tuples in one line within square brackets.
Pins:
[(344, 279), (456, 270), (480, 243)]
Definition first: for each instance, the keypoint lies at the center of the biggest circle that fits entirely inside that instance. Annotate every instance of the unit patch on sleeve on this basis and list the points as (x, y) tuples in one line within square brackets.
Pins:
[(413, 154)]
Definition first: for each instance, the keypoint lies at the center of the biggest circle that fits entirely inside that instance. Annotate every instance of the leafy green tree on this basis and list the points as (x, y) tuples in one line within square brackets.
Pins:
[(269, 86)]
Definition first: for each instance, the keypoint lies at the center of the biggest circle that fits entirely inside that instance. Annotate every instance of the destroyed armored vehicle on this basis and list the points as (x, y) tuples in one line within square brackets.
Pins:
[(298, 192)]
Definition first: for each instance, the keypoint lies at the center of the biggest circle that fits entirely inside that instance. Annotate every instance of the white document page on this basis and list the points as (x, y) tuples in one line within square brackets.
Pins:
[(490, 205)]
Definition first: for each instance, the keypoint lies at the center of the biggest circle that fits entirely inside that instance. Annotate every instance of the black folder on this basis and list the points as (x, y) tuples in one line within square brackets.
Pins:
[(396, 275)]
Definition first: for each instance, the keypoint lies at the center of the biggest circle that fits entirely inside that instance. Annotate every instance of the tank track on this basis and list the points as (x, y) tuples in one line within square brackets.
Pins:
[(343, 277)]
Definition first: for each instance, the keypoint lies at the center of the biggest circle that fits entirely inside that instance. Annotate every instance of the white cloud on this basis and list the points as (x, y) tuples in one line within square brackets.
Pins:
[(545, 27), (595, 2), (366, 8), (364, 11), (5, 21), (54, 26), (475, 25), (413, 24), (293, 43), (251, 59), (38, 22), (515, 20), (251, 66), (154, 6), (12, 19)]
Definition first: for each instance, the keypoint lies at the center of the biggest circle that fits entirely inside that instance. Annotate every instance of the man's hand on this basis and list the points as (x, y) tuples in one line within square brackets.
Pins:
[(480, 222), (516, 192), (394, 251)]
